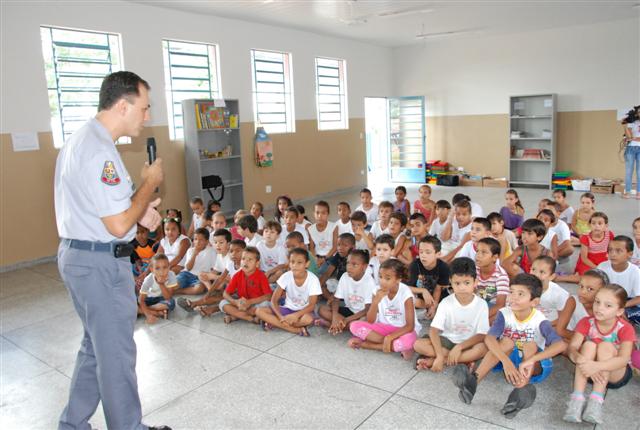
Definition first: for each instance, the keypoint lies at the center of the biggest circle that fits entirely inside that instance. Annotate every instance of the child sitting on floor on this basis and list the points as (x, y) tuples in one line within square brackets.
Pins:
[(295, 240), (368, 207), (291, 224), (456, 335), (566, 211), (601, 348), (550, 240), (248, 229), (590, 284), (391, 324), (562, 231), (556, 303), (273, 257), (235, 233), (513, 211), (323, 235), (493, 281), (197, 221), (344, 218), (635, 257), (455, 233), (381, 225), (353, 295), (401, 204), (621, 272), (141, 256), (397, 227), (282, 204), (257, 210), (174, 245), (363, 239), (507, 238), (247, 291), (424, 204), (156, 293), (520, 261), (480, 228), (582, 218), (336, 266), (439, 220), (593, 247), (517, 327), (419, 230), (302, 289), (200, 258), (429, 276), (384, 251)]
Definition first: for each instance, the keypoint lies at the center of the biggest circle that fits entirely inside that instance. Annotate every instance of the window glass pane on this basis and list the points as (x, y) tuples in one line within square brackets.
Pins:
[(331, 94), (272, 90)]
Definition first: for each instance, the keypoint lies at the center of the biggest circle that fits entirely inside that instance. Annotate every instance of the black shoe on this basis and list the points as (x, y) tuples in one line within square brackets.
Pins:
[(519, 399), (466, 381), (160, 428)]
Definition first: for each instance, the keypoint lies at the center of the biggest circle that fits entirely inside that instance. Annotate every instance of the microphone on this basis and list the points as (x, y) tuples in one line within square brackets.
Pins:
[(151, 150)]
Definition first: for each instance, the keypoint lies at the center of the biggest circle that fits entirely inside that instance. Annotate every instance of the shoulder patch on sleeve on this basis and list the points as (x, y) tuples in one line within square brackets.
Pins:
[(109, 174)]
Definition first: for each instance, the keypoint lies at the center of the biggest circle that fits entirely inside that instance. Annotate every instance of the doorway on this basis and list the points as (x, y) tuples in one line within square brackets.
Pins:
[(376, 120)]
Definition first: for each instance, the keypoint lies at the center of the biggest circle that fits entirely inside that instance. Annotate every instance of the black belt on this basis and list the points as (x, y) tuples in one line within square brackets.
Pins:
[(118, 249)]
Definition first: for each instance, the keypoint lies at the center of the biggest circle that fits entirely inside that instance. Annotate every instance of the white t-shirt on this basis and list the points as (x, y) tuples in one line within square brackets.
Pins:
[(511, 239), (562, 231), (205, 260), (629, 279), (344, 227), (197, 221), (151, 288), (298, 296), (253, 241), (261, 222), (457, 233), (374, 265), (476, 210), (231, 269), (271, 257), (377, 230), (283, 236), (171, 250), (467, 250), (635, 132), (457, 322), (392, 311), (567, 215), (548, 238), (578, 313), (323, 240), (635, 257), (356, 294), (221, 262), (553, 301), (362, 244), (437, 227), (372, 214)]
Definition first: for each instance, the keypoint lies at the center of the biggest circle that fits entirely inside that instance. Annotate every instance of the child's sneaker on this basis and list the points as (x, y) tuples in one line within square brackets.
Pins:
[(593, 411), (573, 414), (466, 381)]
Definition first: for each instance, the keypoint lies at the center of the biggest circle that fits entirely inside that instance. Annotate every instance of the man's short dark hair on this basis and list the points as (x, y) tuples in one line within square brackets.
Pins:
[(118, 85)]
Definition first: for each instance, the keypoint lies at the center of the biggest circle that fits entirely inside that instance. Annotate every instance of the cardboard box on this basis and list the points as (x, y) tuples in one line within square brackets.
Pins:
[(602, 189), (619, 188), (495, 182), (469, 182)]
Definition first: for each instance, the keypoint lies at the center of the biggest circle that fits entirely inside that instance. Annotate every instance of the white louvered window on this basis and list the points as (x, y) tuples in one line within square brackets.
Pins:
[(331, 94)]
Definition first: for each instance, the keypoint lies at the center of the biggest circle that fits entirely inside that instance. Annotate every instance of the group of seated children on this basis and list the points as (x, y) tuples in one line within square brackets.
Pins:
[(487, 285)]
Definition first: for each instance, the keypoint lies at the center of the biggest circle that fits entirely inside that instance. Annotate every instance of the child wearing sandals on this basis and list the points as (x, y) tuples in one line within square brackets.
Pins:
[(247, 291), (156, 293), (353, 295), (518, 326), (391, 324), (601, 348), (302, 289), (456, 335)]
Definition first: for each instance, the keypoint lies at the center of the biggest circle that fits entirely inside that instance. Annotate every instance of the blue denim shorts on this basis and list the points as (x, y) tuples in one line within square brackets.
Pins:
[(150, 301), (187, 279)]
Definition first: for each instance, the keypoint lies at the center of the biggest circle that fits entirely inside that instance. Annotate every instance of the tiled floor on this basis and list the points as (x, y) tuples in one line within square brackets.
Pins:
[(197, 373)]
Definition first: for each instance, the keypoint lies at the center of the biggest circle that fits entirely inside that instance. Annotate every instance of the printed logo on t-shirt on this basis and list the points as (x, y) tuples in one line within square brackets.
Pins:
[(298, 301), (461, 328), (356, 301), (520, 337), (393, 314), (269, 261), (487, 292)]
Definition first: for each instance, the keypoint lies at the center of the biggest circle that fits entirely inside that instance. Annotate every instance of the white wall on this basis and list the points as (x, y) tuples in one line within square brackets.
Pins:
[(24, 104), (595, 67)]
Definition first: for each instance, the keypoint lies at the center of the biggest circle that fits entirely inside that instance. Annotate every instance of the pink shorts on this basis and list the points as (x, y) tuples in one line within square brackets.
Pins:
[(361, 329)]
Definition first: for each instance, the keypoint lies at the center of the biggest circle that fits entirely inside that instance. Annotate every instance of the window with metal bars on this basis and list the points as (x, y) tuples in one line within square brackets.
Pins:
[(331, 94), (191, 72), (273, 91), (76, 61)]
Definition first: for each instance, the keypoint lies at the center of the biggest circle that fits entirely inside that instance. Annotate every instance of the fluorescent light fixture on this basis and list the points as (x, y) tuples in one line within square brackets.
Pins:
[(443, 34), (397, 13)]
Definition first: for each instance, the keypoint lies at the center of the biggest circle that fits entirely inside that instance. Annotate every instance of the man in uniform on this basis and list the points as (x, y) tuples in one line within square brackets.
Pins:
[(96, 213)]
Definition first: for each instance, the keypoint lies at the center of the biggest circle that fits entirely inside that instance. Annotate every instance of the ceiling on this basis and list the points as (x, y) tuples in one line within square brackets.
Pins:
[(398, 22)]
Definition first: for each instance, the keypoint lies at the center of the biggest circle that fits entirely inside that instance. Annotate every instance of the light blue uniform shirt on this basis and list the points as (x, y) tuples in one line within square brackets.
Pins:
[(91, 182)]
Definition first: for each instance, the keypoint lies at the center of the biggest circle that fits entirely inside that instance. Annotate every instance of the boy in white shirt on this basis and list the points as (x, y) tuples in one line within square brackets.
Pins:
[(344, 218), (201, 257), (625, 274), (480, 228), (556, 303), (562, 231), (273, 257), (197, 221), (368, 207), (455, 231), (156, 293), (384, 245), (291, 224), (443, 208), (248, 228), (462, 319), (354, 294), (323, 235), (381, 225), (218, 221)]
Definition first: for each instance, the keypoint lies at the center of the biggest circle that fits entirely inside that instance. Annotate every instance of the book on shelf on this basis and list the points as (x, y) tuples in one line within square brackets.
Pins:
[(210, 116)]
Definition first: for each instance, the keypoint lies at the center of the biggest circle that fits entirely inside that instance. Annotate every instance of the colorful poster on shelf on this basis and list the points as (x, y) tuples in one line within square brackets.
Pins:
[(263, 148)]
